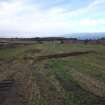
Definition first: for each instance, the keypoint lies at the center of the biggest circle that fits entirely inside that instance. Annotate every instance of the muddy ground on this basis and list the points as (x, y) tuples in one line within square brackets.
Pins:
[(15, 83)]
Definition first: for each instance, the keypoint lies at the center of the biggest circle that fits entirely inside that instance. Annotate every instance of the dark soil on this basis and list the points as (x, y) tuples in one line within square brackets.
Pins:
[(15, 84), (8, 93), (61, 55)]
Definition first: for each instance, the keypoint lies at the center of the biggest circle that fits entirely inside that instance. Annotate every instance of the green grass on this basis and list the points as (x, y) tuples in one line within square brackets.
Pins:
[(8, 53), (74, 93)]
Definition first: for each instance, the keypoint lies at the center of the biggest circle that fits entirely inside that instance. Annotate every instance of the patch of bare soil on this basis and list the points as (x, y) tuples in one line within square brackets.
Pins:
[(9, 93)]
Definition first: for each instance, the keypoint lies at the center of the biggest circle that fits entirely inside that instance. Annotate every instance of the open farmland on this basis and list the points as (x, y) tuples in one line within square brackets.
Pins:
[(52, 74)]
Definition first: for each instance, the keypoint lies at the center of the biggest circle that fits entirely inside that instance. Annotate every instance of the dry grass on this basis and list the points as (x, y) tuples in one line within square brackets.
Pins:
[(90, 84)]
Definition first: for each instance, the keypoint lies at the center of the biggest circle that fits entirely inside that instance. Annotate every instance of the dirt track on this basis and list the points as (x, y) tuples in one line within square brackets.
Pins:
[(9, 93), (16, 84), (17, 90)]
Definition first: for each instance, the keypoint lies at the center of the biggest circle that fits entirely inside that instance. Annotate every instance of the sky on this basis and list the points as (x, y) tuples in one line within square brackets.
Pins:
[(32, 18)]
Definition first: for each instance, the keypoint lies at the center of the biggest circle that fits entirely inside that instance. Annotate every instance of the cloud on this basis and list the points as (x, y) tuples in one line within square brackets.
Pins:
[(91, 8), (92, 22), (22, 16)]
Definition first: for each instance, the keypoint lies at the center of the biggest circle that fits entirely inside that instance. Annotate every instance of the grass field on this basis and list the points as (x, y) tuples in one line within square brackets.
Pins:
[(70, 80)]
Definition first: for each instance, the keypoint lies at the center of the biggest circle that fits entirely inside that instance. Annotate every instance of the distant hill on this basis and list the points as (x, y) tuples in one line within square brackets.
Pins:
[(86, 35), (95, 35)]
